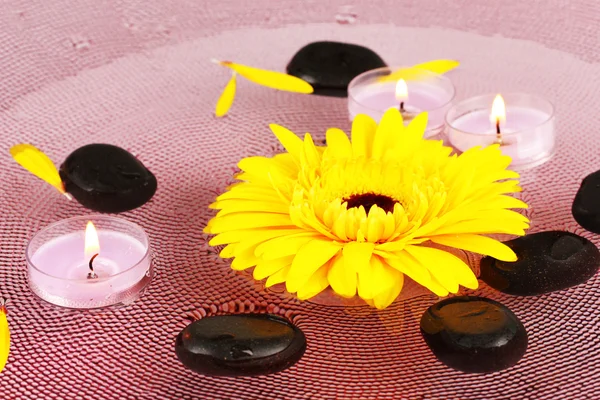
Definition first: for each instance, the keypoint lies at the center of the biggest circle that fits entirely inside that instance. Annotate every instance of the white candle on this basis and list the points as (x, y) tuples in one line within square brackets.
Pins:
[(431, 92), (526, 122), (59, 263)]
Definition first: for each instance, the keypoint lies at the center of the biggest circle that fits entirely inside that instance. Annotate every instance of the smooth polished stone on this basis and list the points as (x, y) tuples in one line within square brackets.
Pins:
[(586, 205), (240, 345), (547, 261), (107, 178), (330, 66), (474, 334)]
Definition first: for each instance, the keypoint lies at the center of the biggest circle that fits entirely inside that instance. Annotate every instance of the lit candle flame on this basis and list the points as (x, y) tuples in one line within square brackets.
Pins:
[(498, 115), (92, 244), (401, 91)]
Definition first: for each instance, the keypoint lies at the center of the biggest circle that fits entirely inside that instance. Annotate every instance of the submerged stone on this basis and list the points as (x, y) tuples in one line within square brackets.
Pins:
[(107, 178), (474, 334), (586, 205), (240, 345), (547, 261), (330, 66)]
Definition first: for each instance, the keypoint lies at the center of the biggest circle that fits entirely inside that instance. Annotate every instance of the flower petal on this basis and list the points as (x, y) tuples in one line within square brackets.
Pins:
[(387, 297), (338, 144), (266, 268), (365, 283), (357, 255), (228, 251), (292, 143), (341, 279), (261, 166), (315, 284), (438, 66), (477, 244), (310, 155), (278, 277), (251, 206), (284, 245), (226, 99), (416, 72), (448, 269), (416, 127), (482, 226), (412, 268), (384, 276), (363, 129), (244, 260), (270, 79), (407, 265), (311, 256), (248, 191), (39, 164), (238, 221), (388, 131)]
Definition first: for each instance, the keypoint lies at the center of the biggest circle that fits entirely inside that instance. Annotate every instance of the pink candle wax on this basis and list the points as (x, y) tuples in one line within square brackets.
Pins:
[(527, 134), (59, 268), (432, 93)]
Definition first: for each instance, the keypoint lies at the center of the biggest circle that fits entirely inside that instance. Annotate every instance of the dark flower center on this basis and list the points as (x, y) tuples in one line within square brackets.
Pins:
[(368, 200)]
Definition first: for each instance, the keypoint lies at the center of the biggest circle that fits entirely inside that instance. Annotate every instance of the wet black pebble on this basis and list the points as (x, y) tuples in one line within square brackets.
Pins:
[(107, 178), (240, 345), (330, 66), (548, 261), (586, 206), (474, 334)]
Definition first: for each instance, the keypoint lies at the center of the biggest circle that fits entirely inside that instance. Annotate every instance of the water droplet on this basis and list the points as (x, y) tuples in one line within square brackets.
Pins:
[(163, 30), (81, 44), (131, 25), (346, 15), (238, 351)]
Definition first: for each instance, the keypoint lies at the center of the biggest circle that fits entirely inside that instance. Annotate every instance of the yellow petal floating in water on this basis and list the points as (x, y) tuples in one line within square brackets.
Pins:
[(4, 336), (416, 71), (271, 79), (226, 99), (438, 66), (36, 162)]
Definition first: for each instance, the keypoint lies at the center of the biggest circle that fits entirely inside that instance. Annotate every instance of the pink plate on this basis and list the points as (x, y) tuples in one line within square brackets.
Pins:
[(138, 74)]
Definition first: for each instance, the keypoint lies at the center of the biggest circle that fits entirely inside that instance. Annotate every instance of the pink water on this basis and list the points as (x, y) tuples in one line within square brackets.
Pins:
[(137, 74)]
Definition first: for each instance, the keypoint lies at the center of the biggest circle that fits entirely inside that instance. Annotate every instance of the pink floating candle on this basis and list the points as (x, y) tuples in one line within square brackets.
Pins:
[(369, 94), (522, 124), (92, 268)]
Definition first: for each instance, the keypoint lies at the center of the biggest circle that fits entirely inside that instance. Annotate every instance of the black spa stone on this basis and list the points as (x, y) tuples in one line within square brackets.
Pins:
[(548, 261), (330, 66), (107, 178), (240, 345), (474, 334), (586, 206)]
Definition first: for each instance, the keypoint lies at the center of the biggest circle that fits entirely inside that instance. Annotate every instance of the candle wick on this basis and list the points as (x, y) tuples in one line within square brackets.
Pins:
[(498, 132), (92, 274), (401, 106)]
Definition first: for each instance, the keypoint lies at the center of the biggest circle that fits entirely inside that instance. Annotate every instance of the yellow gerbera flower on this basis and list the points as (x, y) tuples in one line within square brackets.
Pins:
[(358, 215)]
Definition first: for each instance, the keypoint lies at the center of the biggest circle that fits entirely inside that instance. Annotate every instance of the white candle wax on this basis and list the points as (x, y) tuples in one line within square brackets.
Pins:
[(527, 134), (58, 269), (433, 93)]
